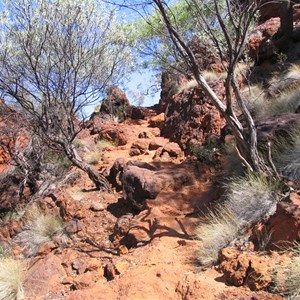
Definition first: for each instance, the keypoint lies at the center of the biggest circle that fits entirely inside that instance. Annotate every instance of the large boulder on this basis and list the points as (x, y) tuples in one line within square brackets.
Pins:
[(114, 133), (140, 184), (138, 112), (270, 128)]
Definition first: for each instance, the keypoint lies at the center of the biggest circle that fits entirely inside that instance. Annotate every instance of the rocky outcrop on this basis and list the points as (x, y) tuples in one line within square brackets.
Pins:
[(115, 104), (260, 47), (190, 118)]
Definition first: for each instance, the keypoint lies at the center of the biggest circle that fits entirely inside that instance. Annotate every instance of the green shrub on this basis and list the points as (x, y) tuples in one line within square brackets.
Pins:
[(205, 153), (102, 144), (93, 158), (4, 252)]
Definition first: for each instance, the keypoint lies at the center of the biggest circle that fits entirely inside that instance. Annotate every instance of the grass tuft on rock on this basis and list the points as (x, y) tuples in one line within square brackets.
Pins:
[(251, 197), (247, 200), (39, 229)]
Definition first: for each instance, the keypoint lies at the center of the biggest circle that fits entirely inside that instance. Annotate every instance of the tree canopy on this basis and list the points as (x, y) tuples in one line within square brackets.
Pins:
[(57, 57)]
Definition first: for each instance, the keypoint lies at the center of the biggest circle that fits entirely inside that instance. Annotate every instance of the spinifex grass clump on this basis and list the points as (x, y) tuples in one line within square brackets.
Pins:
[(247, 200), (287, 278), (251, 197), (40, 228), (94, 156), (217, 232), (287, 154), (11, 279)]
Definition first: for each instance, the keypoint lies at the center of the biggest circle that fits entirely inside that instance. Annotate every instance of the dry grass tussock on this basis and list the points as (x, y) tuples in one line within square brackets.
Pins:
[(287, 155), (287, 278), (255, 99), (221, 228), (293, 72), (40, 228), (250, 198), (208, 76), (94, 156), (260, 105), (11, 279), (247, 200), (287, 102)]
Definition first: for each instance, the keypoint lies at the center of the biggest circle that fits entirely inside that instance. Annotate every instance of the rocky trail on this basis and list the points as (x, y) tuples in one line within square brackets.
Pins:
[(138, 242)]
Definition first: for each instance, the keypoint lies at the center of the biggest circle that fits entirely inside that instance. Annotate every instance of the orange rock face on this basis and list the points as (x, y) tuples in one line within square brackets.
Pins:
[(285, 223), (244, 268)]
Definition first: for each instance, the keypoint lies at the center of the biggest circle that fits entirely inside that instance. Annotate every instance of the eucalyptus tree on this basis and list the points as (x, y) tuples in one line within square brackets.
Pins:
[(56, 58), (224, 26)]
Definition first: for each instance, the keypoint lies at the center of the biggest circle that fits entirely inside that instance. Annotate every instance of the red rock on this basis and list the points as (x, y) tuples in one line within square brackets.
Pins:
[(79, 265), (141, 144), (43, 276), (121, 266), (86, 280), (115, 103), (285, 224), (138, 112), (113, 133), (139, 147), (190, 117), (122, 249), (46, 248), (157, 142), (157, 121), (69, 208), (135, 152), (173, 149), (244, 268), (93, 264), (110, 271), (144, 135), (73, 226), (295, 198), (96, 206)]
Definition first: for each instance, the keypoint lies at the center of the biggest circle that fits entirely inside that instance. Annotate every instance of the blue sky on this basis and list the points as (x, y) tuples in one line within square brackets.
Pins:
[(139, 84)]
